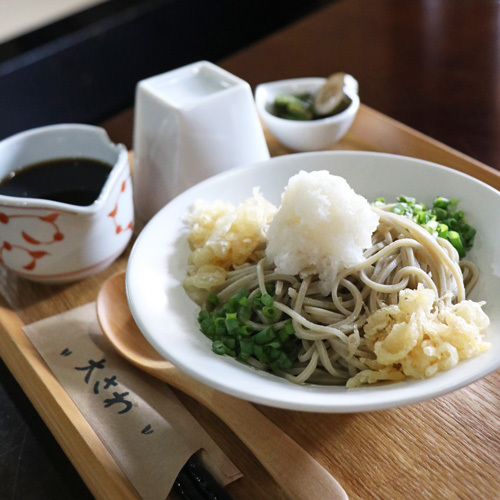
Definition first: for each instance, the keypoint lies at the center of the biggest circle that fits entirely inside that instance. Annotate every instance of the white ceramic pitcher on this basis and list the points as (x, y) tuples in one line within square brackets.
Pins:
[(191, 123)]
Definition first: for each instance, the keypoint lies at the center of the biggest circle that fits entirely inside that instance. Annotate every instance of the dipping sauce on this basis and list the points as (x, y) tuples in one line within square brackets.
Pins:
[(76, 181)]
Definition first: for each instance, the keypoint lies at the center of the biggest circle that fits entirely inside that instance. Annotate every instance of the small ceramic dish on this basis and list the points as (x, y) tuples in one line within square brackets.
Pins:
[(54, 241), (299, 135)]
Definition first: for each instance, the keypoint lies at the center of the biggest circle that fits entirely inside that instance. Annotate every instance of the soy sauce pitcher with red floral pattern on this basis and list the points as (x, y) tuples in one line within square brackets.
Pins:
[(66, 204)]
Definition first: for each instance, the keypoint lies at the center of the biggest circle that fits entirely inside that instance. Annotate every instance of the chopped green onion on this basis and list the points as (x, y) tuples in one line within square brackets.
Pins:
[(229, 327), (284, 362), (442, 219), (431, 226), (220, 327), (213, 300), (407, 199), (469, 234), (269, 312), (286, 331), (441, 213), (265, 335), (273, 353), (441, 202), (246, 349), (257, 300), (442, 231), (205, 325), (229, 342), (244, 331), (259, 353), (456, 241), (232, 323), (218, 347), (244, 302), (267, 300), (244, 314)]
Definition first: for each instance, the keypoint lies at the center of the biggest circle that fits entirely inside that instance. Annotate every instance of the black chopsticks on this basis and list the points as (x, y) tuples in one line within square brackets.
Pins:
[(194, 482)]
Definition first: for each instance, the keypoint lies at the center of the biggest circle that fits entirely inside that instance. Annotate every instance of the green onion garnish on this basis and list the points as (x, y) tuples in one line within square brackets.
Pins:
[(442, 219), (229, 326)]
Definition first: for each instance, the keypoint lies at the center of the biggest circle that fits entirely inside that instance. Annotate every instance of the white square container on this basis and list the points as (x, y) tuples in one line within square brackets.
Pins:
[(189, 124)]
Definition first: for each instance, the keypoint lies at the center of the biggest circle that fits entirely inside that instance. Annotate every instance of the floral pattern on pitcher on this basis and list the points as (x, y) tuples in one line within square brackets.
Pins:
[(19, 250), (115, 212)]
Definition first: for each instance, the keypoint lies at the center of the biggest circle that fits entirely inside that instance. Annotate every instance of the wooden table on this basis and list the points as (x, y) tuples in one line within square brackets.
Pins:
[(436, 67)]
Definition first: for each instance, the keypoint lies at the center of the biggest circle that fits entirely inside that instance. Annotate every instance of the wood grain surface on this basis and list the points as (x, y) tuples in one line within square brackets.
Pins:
[(445, 448), (431, 64)]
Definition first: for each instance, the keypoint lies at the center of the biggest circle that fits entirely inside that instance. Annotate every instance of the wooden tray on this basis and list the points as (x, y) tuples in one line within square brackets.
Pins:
[(445, 448)]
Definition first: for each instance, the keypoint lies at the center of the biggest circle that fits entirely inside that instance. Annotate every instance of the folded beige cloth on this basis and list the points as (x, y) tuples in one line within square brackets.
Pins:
[(141, 422)]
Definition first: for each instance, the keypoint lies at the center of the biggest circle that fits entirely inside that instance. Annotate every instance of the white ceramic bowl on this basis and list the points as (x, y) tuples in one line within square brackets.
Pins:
[(303, 135), (51, 241), (168, 318)]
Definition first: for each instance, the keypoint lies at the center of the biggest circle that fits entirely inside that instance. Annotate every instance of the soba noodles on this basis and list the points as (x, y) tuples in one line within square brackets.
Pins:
[(335, 340)]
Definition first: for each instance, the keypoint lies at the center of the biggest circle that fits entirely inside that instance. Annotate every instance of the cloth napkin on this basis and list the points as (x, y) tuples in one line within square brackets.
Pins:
[(145, 427)]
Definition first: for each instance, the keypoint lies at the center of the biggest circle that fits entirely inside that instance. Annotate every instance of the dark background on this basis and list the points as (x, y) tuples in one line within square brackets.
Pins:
[(85, 68)]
